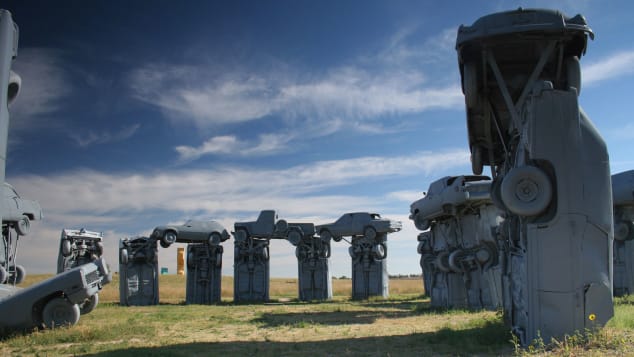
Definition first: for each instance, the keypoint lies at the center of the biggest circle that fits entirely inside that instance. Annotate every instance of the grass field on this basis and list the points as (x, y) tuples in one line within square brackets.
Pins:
[(402, 325)]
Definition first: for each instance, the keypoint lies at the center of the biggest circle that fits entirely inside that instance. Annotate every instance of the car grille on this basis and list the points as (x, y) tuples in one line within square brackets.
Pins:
[(93, 277)]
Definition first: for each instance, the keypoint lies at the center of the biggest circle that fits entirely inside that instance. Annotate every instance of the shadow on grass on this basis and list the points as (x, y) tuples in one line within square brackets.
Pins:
[(342, 317), (490, 339)]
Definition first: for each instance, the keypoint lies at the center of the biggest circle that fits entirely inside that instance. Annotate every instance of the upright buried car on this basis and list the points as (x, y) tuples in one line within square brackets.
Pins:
[(192, 231), (78, 247)]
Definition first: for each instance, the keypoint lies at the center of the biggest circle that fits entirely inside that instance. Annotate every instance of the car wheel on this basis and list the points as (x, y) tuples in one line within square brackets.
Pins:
[(281, 226), (370, 233), (23, 226), (89, 305), (454, 260), (294, 236), (169, 238), (4, 275), (476, 160), (421, 248), (214, 238), (265, 253), (163, 244), (17, 275), (60, 312), (526, 191), (622, 230), (66, 247), (379, 251), (351, 252), (99, 249), (123, 256), (325, 235), (442, 262), (326, 250), (191, 263)]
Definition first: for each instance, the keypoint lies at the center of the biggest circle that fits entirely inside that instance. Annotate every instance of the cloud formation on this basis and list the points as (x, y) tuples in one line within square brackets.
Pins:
[(44, 87), (266, 144), (616, 65), (93, 138)]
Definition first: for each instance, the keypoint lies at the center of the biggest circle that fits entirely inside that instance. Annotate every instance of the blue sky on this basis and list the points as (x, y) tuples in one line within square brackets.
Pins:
[(137, 114)]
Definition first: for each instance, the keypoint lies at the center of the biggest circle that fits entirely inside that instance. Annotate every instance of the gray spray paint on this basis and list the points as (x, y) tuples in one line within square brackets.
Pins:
[(521, 78)]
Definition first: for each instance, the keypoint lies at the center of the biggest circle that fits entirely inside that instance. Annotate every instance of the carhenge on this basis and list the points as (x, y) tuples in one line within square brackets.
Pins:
[(521, 80)]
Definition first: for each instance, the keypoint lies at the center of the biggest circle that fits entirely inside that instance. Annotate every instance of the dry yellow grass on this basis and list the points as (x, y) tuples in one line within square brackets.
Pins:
[(172, 288)]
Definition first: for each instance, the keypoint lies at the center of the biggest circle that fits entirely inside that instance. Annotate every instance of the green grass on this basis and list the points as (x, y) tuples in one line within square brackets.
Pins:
[(404, 325)]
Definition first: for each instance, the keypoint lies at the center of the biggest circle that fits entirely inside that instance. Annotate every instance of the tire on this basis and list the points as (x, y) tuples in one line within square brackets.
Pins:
[(325, 235), (60, 312), (483, 255), (23, 226), (265, 253), (351, 252), (573, 73), (476, 160), (190, 260), (454, 261), (99, 248), (123, 256), (163, 244), (526, 191), (294, 236), (442, 262), (169, 238), (281, 226), (17, 275), (379, 251), (470, 84), (66, 248), (623, 230), (421, 247), (214, 238), (89, 305), (300, 253), (370, 233), (4, 275), (326, 251)]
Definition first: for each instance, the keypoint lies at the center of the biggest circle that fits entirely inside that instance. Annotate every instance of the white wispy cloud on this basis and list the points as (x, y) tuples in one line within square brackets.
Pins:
[(392, 82), (297, 189), (44, 87), (616, 65), (93, 138), (266, 144)]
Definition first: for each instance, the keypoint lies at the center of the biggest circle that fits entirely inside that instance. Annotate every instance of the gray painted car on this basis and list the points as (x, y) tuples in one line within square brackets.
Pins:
[(192, 231), (54, 301), (358, 224), (445, 194), (18, 212), (78, 247)]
